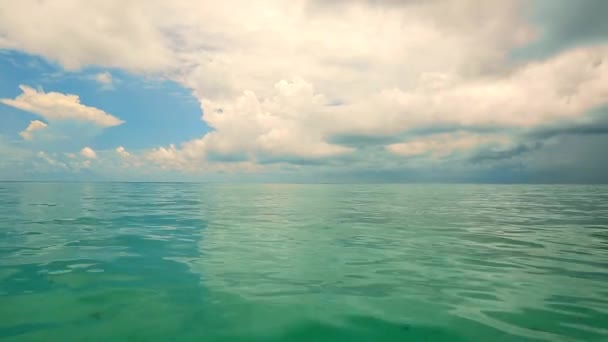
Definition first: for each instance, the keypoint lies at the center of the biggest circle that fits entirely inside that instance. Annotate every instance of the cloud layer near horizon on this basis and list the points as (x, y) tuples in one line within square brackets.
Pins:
[(342, 84)]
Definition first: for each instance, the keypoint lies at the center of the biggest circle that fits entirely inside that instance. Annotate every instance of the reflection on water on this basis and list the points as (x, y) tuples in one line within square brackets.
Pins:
[(145, 261)]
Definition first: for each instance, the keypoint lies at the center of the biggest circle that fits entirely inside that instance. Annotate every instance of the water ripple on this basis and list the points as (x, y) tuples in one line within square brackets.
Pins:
[(163, 261)]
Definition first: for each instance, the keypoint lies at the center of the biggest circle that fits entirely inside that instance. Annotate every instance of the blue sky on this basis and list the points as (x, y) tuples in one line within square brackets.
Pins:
[(158, 111), (441, 91)]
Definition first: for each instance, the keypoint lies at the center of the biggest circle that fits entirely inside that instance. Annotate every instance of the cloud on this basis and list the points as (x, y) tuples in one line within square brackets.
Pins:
[(441, 145), (55, 106), (52, 161), (217, 51), (122, 152), (595, 124), (312, 82), (564, 24), (105, 79), (280, 127), (505, 154), (527, 142), (84, 165), (13, 154), (35, 125), (296, 121), (378, 97), (287, 123), (88, 153), (439, 99), (191, 159), (109, 33)]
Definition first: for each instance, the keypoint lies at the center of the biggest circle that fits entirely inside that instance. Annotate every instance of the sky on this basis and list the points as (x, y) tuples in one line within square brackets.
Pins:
[(304, 90)]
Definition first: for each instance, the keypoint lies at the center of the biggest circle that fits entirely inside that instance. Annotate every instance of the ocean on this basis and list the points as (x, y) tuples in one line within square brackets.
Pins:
[(280, 262)]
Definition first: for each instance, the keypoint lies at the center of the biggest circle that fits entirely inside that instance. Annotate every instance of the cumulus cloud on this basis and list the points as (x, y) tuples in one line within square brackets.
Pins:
[(88, 153), (283, 125), (122, 152), (287, 123), (35, 125), (57, 106)]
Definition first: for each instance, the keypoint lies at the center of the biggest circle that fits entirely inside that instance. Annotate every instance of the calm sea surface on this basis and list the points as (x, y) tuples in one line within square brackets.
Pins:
[(199, 262)]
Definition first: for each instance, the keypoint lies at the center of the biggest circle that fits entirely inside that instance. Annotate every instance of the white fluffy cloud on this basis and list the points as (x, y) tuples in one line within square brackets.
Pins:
[(35, 125), (57, 106), (88, 153), (110, 33), (288, 123), (122, 152)]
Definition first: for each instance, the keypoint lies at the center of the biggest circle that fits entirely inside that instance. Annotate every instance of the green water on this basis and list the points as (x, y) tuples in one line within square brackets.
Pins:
[(196, 262)]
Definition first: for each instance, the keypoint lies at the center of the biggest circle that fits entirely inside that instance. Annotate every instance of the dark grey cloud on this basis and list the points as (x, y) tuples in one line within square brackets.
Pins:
[(597, 127), (535, 139), (571, 159), (362, 140), (566, 152), (499, 155), (565, 24), (265, 159), (356, 140), (226, 157)]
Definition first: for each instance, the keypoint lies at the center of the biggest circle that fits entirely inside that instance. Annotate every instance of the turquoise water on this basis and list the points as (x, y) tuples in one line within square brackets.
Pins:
[(198, 262)]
